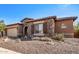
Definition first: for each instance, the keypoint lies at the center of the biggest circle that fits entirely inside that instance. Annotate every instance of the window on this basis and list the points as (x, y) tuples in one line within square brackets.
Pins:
[(63, 26), (38, 28)]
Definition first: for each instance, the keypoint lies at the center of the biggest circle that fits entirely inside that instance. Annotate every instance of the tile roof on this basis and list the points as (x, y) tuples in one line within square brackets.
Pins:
[(45, 18), (68, 18), (14, 24), (32, 20), (26, 19)]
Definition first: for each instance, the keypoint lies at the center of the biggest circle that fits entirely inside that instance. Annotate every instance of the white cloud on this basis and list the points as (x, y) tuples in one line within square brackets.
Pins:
[(63, 6)]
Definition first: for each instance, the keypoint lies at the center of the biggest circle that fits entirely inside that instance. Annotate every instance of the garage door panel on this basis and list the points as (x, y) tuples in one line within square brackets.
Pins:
[(12, 32)]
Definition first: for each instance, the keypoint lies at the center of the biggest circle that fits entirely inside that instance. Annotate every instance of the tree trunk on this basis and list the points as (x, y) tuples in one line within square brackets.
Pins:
[(1, 33)]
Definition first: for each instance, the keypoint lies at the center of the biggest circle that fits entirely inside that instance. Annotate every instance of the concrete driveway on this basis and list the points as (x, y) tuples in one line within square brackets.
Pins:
[(6, 51)]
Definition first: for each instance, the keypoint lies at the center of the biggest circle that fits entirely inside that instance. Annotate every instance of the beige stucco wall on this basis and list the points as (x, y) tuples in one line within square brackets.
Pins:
[(12, 26), (20, 30), (68, 31), (38, 22)]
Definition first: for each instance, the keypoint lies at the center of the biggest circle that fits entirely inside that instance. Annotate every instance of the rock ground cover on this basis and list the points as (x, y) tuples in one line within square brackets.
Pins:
[(69, 46)]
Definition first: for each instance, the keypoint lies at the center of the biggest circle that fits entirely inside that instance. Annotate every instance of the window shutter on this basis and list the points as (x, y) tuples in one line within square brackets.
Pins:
[(45, 28), (32, 28)]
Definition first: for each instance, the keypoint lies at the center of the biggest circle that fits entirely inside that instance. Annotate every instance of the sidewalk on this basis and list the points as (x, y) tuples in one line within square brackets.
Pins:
[(6, 51)]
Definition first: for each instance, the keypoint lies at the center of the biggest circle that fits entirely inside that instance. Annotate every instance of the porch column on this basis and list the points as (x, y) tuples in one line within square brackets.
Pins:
[(51, 26), (29, 29)]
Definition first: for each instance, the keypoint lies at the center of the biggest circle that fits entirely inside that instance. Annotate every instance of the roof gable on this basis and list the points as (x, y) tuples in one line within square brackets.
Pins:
[(26, 19)]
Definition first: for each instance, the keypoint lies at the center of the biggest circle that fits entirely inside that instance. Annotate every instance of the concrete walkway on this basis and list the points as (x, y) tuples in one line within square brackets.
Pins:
[(6, 51)]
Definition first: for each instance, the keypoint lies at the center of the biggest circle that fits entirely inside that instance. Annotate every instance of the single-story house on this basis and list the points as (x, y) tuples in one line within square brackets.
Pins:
[(43, 26)]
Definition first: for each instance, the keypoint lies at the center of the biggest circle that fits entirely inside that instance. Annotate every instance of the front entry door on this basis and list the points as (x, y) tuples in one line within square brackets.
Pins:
[(25, 30)]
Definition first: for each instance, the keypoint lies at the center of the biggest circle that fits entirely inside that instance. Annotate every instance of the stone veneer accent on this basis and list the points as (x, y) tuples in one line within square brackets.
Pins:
[(50, 26)]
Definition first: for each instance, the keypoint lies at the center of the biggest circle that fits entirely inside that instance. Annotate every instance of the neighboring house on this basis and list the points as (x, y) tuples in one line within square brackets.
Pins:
[(42, 26)]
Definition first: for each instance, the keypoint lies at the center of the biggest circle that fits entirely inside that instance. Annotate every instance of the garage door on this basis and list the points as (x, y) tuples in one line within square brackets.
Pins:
[(12, 32)]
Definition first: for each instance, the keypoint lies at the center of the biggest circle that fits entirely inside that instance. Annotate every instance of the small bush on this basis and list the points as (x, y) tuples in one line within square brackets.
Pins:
[(76, 34), (58, 37)]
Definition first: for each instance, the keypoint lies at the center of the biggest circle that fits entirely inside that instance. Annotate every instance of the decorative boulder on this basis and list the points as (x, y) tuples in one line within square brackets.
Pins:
[(45, 39)]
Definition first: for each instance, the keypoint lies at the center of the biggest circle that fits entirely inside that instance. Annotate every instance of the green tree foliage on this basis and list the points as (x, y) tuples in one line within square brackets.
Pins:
[(77, 27), (2, 27)]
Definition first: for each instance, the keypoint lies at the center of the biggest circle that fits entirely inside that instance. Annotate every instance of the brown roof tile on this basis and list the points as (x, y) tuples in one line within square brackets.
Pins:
[(33, 20), (14, 24), (67, 18)]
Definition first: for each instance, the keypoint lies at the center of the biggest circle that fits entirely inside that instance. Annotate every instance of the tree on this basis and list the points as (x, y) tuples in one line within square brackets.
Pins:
[(76, 27), (2, 27)]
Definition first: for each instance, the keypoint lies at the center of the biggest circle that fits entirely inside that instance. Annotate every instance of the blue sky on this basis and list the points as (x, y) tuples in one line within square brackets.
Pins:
[(13, 13)]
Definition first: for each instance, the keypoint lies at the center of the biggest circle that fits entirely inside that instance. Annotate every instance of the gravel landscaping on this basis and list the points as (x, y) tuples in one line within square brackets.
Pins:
[(69, 46)]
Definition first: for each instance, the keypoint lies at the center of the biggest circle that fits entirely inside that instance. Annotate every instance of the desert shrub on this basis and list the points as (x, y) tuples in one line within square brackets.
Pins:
[(76, 30), (76, 34), (58, 37)]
